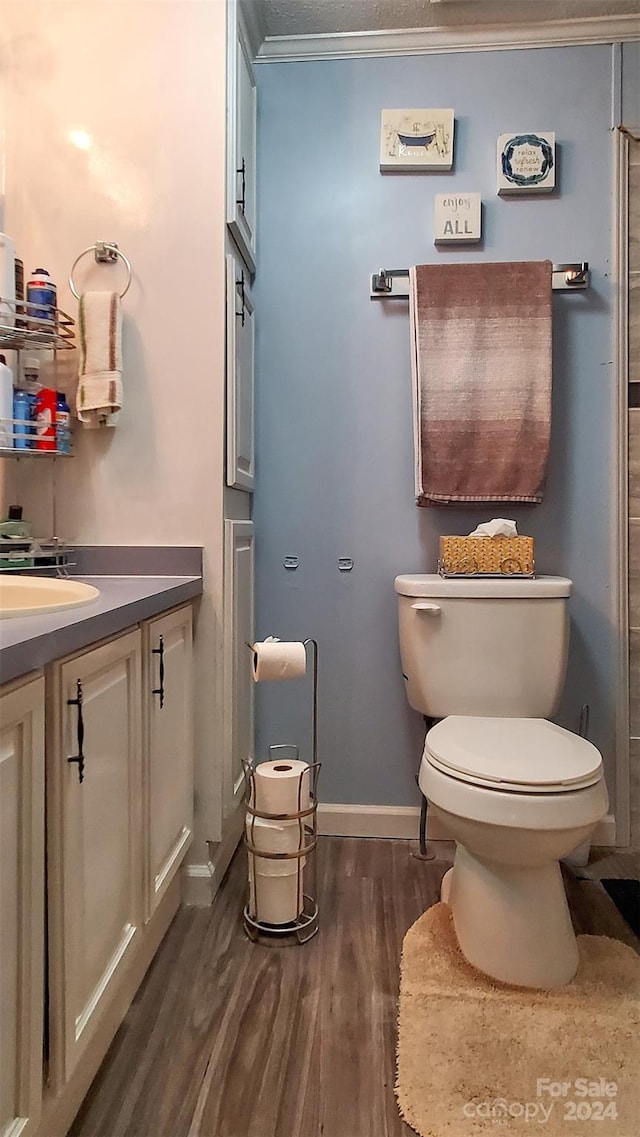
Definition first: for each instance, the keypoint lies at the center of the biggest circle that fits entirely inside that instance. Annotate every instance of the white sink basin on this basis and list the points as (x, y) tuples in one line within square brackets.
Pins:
[(35, 595)]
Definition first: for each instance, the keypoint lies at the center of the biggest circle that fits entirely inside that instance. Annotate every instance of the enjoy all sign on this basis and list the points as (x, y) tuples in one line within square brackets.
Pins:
[(457, 217)]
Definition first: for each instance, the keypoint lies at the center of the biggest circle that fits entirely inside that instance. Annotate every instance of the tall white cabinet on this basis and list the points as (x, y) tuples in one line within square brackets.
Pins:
[(241, 138), (241, 267), (21, 905)]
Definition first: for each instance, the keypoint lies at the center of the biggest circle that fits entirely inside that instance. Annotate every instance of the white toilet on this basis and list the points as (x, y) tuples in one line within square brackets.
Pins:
[(488, 658)]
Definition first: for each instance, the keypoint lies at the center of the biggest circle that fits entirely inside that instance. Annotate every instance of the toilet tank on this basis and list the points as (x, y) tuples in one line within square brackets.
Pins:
[(483, 647)]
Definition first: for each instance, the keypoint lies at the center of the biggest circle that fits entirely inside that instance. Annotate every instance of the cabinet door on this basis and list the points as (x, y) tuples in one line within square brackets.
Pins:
[(21, 905), (238, 632), (240, 363), (241, 151), (168, 769), (96, 875)]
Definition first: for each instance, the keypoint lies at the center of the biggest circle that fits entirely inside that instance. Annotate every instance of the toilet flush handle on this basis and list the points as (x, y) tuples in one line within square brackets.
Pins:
[(427, 607)]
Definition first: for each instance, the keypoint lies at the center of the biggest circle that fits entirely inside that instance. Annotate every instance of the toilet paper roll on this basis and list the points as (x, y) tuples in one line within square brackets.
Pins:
[(276, 660), (275, 899), (281, 787), (274, 837)]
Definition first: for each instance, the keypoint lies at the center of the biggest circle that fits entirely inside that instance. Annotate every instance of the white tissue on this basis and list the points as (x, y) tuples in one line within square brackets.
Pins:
[(499, 527)]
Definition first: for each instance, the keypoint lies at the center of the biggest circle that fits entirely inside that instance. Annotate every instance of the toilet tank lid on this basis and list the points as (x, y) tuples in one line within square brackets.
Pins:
[(431, 584)]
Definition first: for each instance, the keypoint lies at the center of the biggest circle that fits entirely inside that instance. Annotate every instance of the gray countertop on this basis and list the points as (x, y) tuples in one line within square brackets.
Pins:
[(29, 642)]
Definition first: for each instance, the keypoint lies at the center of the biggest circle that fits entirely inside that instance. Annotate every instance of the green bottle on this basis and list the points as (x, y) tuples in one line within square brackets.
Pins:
[(15, 541)]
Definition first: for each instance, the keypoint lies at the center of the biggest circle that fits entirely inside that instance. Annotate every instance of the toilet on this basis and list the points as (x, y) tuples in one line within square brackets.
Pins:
[(487, 658)]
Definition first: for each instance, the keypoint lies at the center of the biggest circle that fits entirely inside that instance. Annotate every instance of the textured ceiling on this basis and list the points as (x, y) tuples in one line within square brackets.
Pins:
[(310, 17)]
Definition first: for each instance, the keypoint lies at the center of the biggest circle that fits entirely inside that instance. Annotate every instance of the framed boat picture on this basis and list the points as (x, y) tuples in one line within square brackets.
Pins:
[(416, 140)]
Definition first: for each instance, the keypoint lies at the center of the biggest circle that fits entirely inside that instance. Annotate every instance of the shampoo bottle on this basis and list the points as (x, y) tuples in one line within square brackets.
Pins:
[(31, 384), (6, 405), (46, 404), (7, 281), (21, 415), (63, 424), (41, 294)]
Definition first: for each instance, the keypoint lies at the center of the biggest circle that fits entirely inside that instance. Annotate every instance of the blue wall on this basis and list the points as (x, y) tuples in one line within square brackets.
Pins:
[(334, 442)]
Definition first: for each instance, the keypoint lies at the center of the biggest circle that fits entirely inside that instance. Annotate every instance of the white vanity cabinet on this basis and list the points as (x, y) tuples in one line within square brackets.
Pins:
[(94, 789), (21, 904), (120, 819), (238, 659), (168, 748), (240, 372), (241, 139)]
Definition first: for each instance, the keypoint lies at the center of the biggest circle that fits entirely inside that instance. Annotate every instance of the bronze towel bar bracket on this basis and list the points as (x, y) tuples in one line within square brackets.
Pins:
[(391, 283)]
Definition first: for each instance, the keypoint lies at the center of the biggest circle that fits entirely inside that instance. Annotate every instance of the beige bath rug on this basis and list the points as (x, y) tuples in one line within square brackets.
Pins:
[(478, 1057)]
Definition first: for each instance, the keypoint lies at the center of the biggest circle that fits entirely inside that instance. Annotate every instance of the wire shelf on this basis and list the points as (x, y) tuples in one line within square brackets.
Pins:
[(28, 434), (51, 556), (10, 452), (23, 327)]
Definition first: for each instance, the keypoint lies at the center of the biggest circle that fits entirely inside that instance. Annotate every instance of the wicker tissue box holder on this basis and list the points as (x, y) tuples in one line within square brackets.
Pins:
[(486, 556)]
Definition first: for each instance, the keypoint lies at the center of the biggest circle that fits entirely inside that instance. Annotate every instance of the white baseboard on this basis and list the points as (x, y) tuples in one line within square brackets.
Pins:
[(605, 831), (403, 821), (200, 882), (376, 821), (197, 885)]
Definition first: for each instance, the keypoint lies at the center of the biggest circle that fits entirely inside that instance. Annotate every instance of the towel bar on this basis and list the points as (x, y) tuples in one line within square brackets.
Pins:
[(390, 283)]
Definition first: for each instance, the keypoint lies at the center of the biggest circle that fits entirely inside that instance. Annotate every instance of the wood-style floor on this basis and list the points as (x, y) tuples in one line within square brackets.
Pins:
[(232, 1039)]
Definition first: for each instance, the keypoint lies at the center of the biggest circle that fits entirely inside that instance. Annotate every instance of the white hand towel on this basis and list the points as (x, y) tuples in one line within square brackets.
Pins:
[(99, 395)]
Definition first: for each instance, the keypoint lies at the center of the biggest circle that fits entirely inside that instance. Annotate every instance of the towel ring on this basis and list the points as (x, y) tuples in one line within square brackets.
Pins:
[(106, 253)]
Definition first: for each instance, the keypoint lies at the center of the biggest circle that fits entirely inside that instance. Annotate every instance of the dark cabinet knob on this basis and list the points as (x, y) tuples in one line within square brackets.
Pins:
[(160, 651), (243, 302), (79, 757), (242, 200)]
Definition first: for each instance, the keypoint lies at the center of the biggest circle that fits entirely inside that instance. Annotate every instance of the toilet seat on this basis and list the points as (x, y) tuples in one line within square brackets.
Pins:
[(531, 756)]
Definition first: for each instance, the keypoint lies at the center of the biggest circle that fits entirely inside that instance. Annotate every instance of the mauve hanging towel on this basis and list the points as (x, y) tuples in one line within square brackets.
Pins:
[(481, 363)]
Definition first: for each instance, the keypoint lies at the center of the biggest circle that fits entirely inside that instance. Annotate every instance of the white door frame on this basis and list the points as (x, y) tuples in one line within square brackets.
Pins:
[(620, 542)]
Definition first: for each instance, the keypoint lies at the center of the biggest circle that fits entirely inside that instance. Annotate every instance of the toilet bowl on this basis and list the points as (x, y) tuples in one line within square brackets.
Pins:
[(512, 821), (516, 792)]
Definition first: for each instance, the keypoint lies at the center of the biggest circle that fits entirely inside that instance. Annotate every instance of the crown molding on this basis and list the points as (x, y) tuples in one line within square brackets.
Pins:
[(428, 41), (254, 26)]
